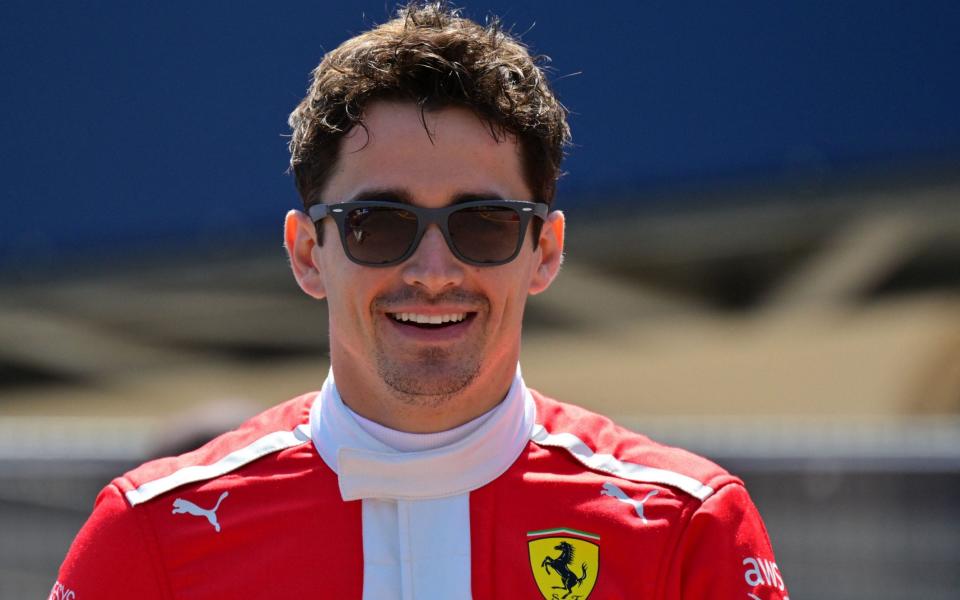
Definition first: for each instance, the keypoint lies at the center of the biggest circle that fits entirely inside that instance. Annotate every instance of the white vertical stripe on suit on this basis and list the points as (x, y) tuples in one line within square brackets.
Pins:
[(416, 503)]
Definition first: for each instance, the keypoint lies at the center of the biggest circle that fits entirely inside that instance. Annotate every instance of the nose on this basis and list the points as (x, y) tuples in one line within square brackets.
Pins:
[(433, 267)]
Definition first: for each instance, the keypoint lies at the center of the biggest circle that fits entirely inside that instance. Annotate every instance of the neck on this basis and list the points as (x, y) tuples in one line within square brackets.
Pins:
[(372, 399)]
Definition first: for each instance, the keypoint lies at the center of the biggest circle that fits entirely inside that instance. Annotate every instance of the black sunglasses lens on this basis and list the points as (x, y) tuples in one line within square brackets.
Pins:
[(485, 234), (379, 234)]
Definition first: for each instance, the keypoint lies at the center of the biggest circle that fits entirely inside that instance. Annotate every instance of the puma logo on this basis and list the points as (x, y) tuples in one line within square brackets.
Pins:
[(181, 506), (610, 489)]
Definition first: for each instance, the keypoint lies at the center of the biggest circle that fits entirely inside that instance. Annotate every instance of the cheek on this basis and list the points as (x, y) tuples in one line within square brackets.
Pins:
[(348, 293), (511, 294), (517, 281)]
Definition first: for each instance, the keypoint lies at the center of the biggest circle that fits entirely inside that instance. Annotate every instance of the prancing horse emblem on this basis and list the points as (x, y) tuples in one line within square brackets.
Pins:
[(565, 562), (181, 506), (561, 564), (610, 489)]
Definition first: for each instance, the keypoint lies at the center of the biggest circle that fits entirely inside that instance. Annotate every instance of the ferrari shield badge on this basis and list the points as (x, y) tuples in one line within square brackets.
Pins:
[(565, 562)]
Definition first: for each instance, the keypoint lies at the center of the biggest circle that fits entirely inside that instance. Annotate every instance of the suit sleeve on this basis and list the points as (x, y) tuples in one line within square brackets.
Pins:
[(725, 552), (111, 557)]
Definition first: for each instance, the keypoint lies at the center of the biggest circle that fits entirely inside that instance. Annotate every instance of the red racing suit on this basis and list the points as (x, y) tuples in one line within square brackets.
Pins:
[(587, 510)]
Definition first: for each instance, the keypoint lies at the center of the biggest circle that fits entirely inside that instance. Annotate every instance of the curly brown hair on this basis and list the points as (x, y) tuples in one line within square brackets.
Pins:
[(431, 55)]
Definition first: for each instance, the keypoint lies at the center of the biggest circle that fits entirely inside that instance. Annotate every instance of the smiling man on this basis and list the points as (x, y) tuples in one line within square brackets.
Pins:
[(426, 154), (421, 339), (432, 341)]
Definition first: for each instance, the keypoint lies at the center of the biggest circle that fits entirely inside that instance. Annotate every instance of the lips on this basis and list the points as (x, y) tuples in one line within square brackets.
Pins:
[(416, 317), (422, 319), (440, 328)]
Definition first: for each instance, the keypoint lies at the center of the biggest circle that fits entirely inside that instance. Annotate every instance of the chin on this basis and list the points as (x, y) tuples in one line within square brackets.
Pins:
[(437, 374)]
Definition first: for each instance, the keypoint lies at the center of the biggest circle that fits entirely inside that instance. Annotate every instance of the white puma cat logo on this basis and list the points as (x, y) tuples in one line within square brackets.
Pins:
[(610, 489), (181, 506)]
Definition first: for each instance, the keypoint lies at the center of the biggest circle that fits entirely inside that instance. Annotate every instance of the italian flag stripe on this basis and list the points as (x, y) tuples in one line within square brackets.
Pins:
[(563, 531)]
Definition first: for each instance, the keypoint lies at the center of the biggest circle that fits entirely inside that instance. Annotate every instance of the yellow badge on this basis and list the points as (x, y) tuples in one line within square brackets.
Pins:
[(565, 562)]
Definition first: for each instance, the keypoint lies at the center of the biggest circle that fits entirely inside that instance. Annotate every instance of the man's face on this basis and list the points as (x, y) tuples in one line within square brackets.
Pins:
[(395, 159)]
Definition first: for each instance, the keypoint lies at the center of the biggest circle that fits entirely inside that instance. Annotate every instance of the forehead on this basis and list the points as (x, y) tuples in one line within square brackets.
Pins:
[(432, 156)]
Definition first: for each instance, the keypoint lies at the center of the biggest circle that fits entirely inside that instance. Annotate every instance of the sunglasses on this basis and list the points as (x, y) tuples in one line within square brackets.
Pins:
[(380, 234)]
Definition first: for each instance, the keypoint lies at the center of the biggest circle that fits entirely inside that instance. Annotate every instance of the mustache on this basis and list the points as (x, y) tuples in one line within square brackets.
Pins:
[(416, 296)]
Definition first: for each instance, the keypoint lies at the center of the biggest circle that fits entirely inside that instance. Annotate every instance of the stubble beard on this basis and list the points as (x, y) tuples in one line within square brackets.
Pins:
[(430, 378)]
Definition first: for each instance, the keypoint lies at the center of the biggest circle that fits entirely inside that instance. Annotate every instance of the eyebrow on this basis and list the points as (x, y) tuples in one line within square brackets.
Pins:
[(402, 196)]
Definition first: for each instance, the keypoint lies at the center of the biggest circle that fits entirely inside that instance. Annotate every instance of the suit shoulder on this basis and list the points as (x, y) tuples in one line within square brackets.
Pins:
[(601, 445), (280, 427), (113, 555)]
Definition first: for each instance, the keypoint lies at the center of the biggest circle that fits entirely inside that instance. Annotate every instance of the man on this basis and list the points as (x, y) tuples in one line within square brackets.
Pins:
[(426, 154)]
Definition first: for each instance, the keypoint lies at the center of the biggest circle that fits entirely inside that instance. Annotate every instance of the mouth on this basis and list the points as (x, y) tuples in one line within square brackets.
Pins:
[(431, 329), (428, 322)]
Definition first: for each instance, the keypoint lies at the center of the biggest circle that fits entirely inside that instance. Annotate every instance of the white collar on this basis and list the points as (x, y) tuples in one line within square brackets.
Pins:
[(367, 468), (416, 442)]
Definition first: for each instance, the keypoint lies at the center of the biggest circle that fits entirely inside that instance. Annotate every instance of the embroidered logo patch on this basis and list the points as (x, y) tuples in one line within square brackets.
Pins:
[(611, 489), (185, 507), (565, 562)]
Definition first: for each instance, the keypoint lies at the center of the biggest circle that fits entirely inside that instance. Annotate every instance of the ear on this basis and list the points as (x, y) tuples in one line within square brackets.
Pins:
[(551, 252), (300, 240)]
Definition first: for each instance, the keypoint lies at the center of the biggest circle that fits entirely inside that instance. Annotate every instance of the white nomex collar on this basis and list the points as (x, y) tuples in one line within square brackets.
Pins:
[(368, 468)]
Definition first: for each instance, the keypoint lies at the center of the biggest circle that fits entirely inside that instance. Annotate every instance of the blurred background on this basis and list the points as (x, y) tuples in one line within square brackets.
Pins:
[(763, 259)]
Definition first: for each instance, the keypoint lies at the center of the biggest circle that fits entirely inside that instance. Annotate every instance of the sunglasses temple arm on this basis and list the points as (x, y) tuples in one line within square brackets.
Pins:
[(317, 213)]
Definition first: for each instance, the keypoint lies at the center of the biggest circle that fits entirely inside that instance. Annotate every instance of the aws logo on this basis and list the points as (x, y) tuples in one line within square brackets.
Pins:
[(761, 571), (565, 562)]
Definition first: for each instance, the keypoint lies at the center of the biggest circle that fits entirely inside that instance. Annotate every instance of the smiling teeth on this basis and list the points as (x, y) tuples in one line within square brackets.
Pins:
[(430, 319)]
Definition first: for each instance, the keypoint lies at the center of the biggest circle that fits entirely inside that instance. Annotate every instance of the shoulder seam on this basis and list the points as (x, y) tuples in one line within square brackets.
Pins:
[(622, 469), (267, 444), (151, 544)]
